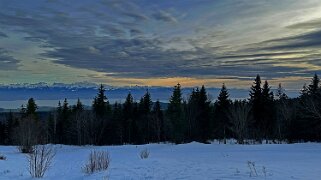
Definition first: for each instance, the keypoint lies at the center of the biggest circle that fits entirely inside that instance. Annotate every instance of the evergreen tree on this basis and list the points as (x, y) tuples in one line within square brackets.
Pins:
[(313, 88), (31, 107), (128, 110), (256, 104), (204, 115), (310, 111), (59, 108), (115, 128), (280, 93), (158, 123), (192, 114), (267, 123), (58, 124), (256, 90), (304, 90), (78, 107), (65, 123), (10, 124), (102, 112), (267, 94), (175, 114), (223, 123), (101, 103), (144, 122)]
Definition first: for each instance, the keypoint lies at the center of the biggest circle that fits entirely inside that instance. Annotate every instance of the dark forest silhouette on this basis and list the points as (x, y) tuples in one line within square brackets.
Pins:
[(264, 116)]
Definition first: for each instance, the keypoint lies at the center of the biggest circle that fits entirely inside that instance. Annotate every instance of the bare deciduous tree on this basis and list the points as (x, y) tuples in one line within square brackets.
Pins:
[(27, 134), (239, 116), (40, 160)]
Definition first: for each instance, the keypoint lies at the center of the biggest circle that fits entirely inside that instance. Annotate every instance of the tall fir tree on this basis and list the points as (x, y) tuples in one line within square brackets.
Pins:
[(128, 110), (175, 115), (267, 124), (221, 122), (144, 122), (204, 115), (314, 87), (66, 122), (101, 105), (280, 93), (78, 107), (31, 107), (158, 123), (256, 104)]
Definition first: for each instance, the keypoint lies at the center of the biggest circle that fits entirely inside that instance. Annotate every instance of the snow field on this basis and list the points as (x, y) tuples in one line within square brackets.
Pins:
[(185, 161)]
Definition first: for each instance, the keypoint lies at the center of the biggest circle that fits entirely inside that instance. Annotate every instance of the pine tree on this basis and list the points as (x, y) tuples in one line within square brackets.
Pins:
[(310, 111), (204, 115), (257, 105), (116, 129), (304, 90), (313, 88), (31, 107), (65, 123), (144, 122), (267, 123), (175, 114), (223, 123), (256, 90), (101, 103), (78, 107), (280, 93), (59, 124), (192, 114), (158, 123), (267, 94), (128, 110)]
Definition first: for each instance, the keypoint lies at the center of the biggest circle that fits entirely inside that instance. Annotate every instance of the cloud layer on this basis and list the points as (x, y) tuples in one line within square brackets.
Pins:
[(167, 39)]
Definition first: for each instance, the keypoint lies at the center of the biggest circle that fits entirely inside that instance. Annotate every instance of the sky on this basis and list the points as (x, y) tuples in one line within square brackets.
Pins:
[(160, 43)]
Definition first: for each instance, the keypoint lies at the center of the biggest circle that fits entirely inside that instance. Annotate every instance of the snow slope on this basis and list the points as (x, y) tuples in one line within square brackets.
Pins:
[(186, 161)]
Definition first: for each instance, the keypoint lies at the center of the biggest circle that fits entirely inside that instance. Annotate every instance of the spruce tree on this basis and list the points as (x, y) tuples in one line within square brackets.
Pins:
[(267, 94), (280, 93), (158, 123), (101, 103), (144, 123), (78, 107), (222, 122), (192, 114), (115, 128), (65, 123), (31, 107), (256, 90), (267, 123), (204, 115), (313, 88), (128, 110), (257, 105), (175, 115)]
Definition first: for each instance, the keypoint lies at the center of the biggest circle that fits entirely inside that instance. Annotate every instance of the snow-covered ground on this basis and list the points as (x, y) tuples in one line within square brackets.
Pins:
[(186, 161)]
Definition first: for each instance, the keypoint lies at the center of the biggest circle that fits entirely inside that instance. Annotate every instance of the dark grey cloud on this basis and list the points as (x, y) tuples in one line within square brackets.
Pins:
[(3, 35), (7, 62), (295, 42), (136, 16), (164, 16), (144, 58), (111, 38)]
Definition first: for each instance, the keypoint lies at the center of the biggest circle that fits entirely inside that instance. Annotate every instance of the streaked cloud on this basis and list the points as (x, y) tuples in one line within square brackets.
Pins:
[(7, 62), (165, 41), (3, 35)]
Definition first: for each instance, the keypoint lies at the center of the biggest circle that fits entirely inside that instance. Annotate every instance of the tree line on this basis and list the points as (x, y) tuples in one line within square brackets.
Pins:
[(263, 116)]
